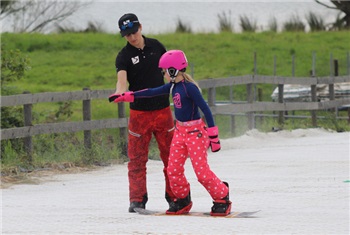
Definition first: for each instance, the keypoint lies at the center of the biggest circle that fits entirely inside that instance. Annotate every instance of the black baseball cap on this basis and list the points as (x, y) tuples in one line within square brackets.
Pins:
[(128, 23)]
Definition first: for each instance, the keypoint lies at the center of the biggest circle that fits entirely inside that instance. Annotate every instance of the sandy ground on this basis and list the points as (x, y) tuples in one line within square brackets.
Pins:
[(297, 179)]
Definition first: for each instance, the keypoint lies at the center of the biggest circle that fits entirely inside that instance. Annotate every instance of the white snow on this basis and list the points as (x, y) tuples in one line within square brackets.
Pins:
[(296, 178)]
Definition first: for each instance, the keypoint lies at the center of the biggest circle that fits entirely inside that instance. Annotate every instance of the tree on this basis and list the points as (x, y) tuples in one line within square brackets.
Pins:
[(6, 6), (37, 15), (343, 6), (13, 66)]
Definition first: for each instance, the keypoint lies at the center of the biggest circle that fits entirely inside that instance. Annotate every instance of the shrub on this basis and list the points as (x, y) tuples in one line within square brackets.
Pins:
[(294, 25), (339, 24), (272, 25), (13, 67), (315, 22), (225, 24), (182, 27), (92, 27), (247, 24)]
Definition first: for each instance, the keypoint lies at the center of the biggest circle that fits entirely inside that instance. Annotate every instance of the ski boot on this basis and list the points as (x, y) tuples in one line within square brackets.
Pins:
[(221, 207), (136, 204), (180, 206), (168, 198)]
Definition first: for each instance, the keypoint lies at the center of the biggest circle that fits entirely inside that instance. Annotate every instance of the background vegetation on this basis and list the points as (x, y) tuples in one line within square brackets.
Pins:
[(72, 61), (66, 62)]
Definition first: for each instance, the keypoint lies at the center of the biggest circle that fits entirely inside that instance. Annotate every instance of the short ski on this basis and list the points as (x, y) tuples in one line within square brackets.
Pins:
[(200, 214)]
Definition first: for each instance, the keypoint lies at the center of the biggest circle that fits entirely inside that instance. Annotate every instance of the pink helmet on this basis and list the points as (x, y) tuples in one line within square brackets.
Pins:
[(173, 59)]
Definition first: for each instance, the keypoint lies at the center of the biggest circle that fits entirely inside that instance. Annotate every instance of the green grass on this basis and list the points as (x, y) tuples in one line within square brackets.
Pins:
[(68, 62)]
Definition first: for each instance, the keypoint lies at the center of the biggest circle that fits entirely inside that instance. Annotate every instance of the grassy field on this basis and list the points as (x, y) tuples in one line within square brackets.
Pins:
[(70, 62), (67, 62)]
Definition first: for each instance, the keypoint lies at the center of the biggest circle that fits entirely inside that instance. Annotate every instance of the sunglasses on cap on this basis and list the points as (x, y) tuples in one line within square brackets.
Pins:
[(129, 24)]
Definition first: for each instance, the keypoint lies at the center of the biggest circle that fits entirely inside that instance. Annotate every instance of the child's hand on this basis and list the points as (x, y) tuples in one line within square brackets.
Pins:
[(213, 133), (125, 97), (112, 97)]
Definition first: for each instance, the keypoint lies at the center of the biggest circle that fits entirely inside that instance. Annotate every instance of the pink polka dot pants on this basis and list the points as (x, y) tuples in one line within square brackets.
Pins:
[(192, 141)]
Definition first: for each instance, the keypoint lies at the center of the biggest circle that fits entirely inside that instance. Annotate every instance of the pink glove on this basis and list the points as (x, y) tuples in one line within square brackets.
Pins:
[(112, 97), (213, 133), (125, 97)]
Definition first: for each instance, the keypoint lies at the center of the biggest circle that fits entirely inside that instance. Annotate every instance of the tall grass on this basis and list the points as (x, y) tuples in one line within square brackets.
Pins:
[(225, 23), (294, 24), (339, 23), (182, 27), (273, 25), (92, 27), (247, 24), (316, 23), (51, 150)]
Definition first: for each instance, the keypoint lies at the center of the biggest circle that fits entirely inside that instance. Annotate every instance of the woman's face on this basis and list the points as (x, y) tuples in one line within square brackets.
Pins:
[(135, 39)]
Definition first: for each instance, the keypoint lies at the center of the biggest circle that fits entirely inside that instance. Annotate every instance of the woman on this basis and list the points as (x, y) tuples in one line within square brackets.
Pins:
[(137, 68)]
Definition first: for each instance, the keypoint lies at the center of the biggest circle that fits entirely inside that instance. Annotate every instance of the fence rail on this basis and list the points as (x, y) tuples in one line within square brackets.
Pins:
[(249, 106), (23, 99)]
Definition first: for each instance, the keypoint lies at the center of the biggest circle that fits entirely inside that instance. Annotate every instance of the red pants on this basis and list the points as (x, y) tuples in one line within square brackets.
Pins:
[(142, 125), (191, 139)]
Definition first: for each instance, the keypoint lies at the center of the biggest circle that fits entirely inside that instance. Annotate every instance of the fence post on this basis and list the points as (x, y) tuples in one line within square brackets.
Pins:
[(28, 144), (336, 68), (313, 90), (348, 62), (293, 65), (313, 99), (260, 98), (87, 117), (212, 98), (123, 132), (250, 99), (348, 69), (192, 70), (331, 86), (233, 119), (281, 95), (293, 75), (280, 100), (313, 70), (233, 124), (251, 96)]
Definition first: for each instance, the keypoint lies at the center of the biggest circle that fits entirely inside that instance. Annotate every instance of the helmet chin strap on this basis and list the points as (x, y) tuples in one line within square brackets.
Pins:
[(172, 73), (171, 88)]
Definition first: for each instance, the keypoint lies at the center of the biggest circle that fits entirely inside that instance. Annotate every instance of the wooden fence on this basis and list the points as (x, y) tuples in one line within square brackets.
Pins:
[(249, 106)]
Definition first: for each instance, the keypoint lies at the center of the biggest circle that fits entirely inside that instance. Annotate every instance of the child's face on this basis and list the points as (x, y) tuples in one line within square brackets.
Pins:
[(166, 75)]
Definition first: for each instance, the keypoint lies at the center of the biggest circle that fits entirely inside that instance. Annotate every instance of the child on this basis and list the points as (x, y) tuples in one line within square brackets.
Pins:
[(191, 138)]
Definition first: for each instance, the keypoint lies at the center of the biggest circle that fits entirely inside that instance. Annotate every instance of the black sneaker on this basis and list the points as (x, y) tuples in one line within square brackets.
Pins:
[(221, 207), (138, 204), (180, 206), (168, 198)]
